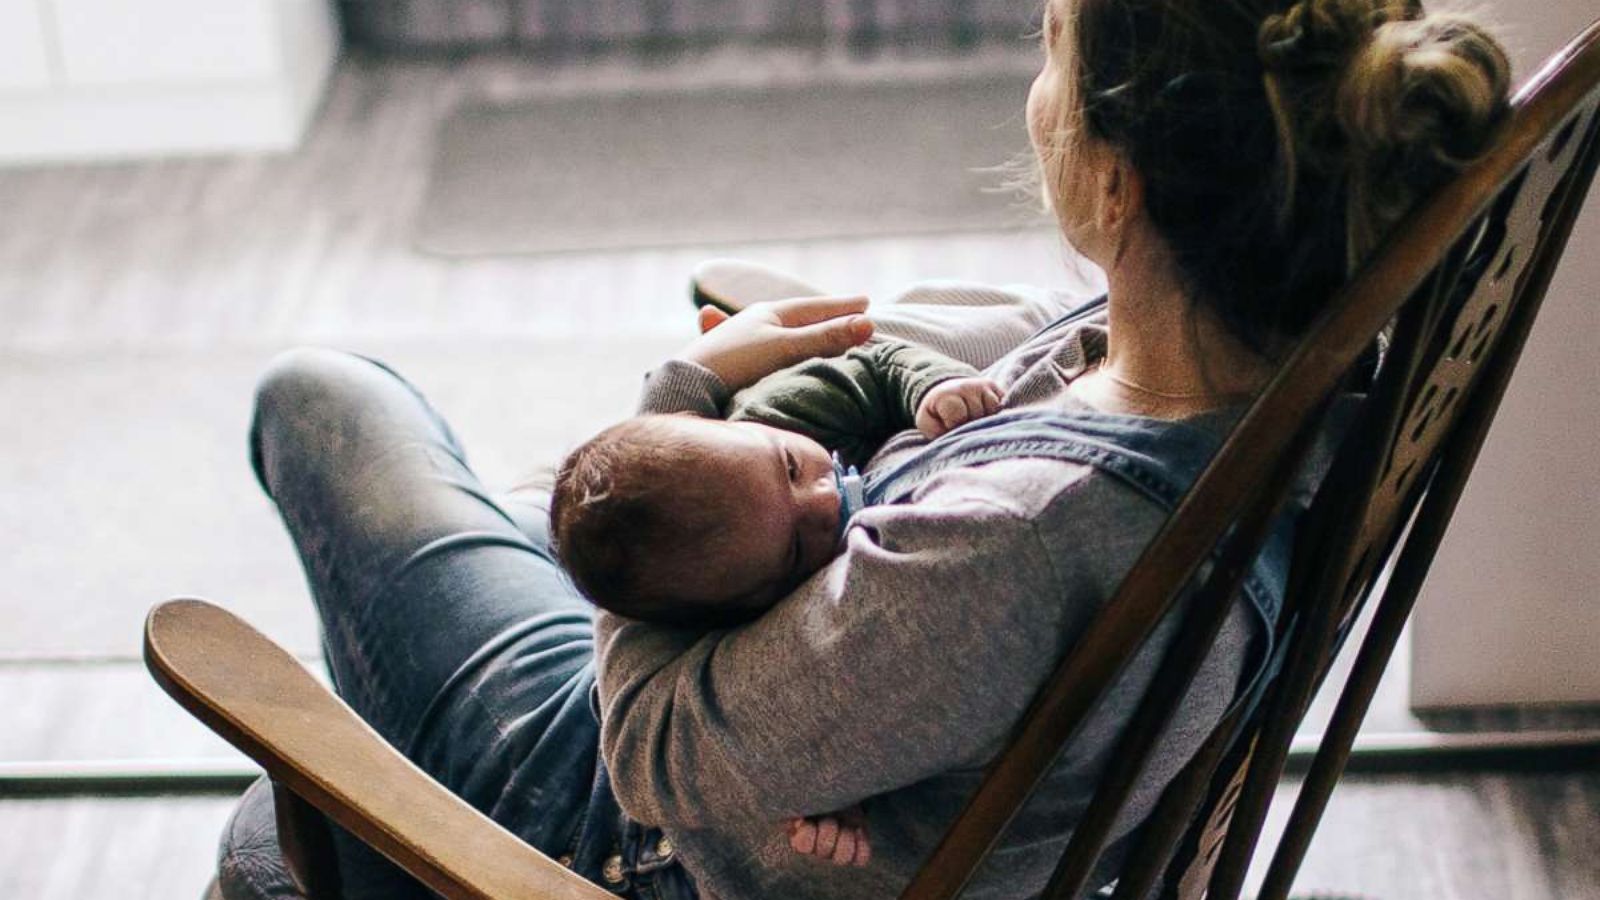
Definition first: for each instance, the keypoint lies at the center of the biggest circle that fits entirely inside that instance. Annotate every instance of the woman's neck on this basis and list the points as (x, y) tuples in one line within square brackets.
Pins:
[(1167, 356)]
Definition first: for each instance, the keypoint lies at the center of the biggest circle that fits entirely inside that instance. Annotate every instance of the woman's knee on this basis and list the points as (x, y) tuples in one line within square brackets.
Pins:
[(305, 396)]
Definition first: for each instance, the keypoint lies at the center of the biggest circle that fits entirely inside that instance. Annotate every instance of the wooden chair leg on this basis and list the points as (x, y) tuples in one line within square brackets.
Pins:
[(1336, 743), (1426, 534), (1171, 820)]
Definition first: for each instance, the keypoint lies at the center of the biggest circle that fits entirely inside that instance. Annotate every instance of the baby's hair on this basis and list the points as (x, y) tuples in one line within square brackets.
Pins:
[(627, 504)]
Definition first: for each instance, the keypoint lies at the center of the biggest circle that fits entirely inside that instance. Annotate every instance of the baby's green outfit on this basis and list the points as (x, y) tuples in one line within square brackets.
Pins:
[(849, 404)]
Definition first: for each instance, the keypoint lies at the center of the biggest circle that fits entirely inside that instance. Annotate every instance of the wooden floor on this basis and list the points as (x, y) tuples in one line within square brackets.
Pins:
[(317, 246), (110, 849), (174, 260), (1436, 838)]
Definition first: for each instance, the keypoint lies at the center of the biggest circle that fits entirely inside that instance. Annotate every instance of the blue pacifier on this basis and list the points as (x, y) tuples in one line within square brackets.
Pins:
[(852, 496)]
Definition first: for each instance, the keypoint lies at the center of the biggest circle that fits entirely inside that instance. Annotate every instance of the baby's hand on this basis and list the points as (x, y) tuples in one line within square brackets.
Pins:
[(956, 402), (840, 837)]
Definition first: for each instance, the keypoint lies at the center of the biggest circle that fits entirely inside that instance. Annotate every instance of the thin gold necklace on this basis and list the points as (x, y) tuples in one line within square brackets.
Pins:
[(1168, 395)]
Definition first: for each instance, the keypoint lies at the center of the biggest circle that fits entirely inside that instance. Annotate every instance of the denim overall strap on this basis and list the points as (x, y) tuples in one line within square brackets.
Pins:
[(1157, 458), (1075, 316)]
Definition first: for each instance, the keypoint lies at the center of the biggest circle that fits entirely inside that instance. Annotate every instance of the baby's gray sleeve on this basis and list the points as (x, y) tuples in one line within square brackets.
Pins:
[(681, 386)]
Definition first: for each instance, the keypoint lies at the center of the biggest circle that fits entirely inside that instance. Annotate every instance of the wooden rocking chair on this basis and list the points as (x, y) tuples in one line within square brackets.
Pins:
[(1459, 283)]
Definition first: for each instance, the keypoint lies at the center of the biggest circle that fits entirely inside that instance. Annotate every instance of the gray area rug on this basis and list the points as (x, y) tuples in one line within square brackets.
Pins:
[(728, 166), (126, 482)]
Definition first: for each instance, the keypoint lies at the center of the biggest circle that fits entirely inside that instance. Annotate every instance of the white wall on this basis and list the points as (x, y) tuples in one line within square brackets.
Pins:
[(24, 57), (1511, 610), (98, 79)]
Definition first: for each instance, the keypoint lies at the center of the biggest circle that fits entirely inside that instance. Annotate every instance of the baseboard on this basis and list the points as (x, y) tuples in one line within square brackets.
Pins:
[(1424, 752), (1377, 754)]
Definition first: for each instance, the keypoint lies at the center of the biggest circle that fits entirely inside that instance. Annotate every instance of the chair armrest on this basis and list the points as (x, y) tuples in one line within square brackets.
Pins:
[(261, 700)]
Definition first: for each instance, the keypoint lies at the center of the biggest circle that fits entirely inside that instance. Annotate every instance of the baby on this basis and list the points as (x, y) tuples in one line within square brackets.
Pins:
[(698, 522), (705, 523)]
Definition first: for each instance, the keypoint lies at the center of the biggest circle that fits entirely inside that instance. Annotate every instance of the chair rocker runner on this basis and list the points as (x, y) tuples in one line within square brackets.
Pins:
[(1457, 285)]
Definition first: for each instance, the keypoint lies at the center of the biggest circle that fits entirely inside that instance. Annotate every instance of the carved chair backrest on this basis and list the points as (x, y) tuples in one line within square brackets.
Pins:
[(1502, 229), (1455, 288)]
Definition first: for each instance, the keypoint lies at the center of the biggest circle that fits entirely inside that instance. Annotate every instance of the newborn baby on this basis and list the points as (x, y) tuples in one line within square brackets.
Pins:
[(697, 522), (705, 523)]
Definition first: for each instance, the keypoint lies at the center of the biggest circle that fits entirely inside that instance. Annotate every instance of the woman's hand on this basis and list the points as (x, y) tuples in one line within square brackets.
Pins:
[(767, 337)]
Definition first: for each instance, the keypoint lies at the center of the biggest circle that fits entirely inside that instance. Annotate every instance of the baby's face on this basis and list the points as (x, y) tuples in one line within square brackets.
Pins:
[(780, 502)]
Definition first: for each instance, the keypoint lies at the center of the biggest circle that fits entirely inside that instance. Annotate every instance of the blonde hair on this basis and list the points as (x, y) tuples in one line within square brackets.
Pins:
[(1356, 108), (1417, 96)]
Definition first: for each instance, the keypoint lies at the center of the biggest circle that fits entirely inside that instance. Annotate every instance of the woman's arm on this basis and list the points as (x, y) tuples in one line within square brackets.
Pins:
[(740, 350), (909, 655), (768, 337)]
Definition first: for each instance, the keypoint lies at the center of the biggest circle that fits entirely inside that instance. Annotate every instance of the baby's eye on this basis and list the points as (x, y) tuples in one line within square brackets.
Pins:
[(792, 464)]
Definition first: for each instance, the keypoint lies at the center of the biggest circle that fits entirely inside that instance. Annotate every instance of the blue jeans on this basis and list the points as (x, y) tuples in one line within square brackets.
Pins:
[(446, 622)]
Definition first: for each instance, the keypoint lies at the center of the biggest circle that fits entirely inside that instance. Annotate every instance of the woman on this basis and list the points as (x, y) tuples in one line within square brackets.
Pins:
[(1226, 162)]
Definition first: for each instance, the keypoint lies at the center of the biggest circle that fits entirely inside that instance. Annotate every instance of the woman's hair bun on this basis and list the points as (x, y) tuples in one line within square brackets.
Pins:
[(1390, 97), (1435, 85), (1315, 35)]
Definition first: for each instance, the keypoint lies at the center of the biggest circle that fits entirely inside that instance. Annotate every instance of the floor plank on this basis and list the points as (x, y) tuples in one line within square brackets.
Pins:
[(1459, 837), (109, 849), (60, 713)]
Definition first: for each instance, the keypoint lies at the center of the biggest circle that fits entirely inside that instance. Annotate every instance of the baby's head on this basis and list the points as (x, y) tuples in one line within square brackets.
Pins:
[(684, 520)]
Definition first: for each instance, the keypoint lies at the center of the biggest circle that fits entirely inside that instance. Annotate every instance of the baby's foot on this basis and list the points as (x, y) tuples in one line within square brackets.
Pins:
[(839, 838)]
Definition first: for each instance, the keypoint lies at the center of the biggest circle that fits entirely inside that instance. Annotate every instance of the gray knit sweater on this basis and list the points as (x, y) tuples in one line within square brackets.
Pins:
[(892, 676)]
